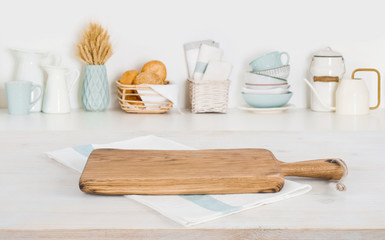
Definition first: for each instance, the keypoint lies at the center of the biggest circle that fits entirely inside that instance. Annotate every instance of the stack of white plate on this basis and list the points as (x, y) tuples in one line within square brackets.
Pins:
[(267, 88)]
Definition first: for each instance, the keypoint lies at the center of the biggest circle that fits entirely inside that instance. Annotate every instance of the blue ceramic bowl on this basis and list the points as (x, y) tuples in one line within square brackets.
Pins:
[(266, 100)]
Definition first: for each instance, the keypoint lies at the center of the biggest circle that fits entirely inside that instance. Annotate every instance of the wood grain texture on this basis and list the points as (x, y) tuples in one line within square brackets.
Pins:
[(197, 234), (120, 172), (321, 168), (116, 172)]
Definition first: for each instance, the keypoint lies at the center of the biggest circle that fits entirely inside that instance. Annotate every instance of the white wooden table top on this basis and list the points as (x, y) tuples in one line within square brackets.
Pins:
[(40, 197)]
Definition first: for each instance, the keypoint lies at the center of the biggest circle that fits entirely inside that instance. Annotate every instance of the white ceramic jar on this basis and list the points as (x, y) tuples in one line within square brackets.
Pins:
[(326, 69)]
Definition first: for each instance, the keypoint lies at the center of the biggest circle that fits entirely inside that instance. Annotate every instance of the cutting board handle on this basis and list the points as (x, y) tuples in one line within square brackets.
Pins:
[(322, 168)]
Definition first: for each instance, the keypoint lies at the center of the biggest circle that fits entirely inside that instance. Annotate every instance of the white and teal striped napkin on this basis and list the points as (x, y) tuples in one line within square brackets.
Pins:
[(188, 210)]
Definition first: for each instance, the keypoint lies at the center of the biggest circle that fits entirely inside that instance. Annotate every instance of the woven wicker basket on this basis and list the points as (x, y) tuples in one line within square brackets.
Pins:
[(131, 101), (209, 96)]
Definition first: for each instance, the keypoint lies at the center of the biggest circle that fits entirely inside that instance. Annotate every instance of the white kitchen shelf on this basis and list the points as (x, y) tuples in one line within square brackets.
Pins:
[(234, 120)]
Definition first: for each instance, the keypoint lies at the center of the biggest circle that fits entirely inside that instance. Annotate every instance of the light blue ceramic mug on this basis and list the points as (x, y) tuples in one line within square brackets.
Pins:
[(269, 61), (19, 96)]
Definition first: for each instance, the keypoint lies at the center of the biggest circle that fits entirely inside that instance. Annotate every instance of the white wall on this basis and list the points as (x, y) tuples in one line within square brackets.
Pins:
[(142, 30)]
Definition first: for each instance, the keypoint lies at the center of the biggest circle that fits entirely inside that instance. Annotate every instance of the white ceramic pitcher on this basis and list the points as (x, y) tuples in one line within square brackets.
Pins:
[(352, 95), (28, 69), (56, 95)]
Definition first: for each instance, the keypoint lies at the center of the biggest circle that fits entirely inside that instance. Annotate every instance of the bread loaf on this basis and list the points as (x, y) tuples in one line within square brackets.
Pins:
[(148, 78), (128, 77), (157, 67)]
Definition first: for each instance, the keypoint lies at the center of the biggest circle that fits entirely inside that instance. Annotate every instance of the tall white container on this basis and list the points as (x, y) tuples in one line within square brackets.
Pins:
[(326, 69)]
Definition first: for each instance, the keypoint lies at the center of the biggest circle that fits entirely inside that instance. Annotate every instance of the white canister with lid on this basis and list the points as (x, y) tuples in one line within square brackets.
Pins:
[(326, 69)]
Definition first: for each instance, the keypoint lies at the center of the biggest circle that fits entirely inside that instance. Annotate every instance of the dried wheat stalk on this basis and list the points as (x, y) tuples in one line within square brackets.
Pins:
[(95, 47)]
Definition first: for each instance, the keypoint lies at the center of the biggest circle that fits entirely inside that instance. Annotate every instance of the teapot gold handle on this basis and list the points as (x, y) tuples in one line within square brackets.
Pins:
[(378, 85)]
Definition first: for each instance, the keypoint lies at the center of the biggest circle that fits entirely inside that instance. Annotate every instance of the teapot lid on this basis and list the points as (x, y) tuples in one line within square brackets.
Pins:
[(327, 52)]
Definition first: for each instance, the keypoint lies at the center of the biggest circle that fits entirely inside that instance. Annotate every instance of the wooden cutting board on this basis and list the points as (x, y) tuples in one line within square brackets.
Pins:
[(119, 172)]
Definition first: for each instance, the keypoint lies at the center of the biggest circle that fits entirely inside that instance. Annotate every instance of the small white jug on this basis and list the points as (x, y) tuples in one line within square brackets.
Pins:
[(56, 95), (352, 95)]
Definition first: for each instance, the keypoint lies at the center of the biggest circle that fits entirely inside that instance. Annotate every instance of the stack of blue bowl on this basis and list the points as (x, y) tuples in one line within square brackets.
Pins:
[(266, 85)]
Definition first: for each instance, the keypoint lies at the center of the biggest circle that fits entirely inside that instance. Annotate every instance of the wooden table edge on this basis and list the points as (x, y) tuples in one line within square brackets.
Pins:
[(194, 233)]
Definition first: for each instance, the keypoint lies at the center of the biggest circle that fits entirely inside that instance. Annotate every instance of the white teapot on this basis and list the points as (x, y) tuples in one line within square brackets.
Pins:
[(352, 95), (327, 68)]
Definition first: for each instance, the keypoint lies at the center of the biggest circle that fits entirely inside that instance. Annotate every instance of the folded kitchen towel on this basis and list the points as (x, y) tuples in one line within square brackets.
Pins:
[(206, 54), (167, 93), (217, 71), (188, 210), (191, 52)]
